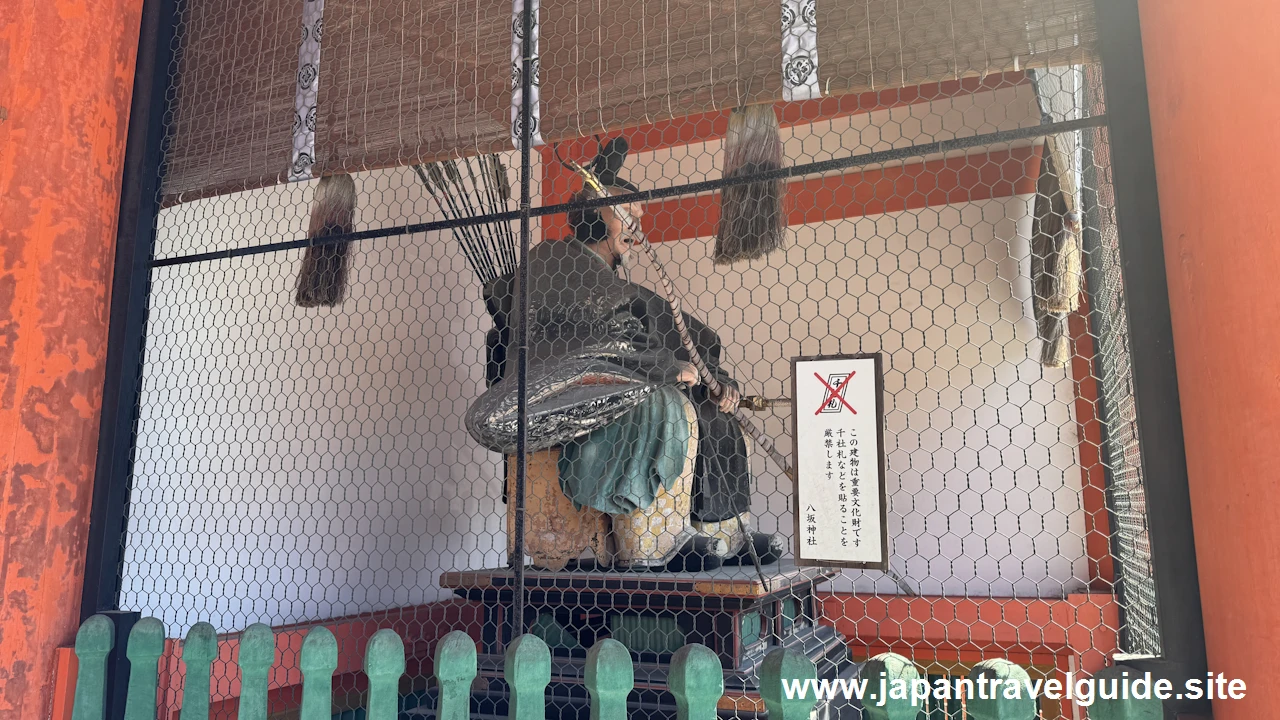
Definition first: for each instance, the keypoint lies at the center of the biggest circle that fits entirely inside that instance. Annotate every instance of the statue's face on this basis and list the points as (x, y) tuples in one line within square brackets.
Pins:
[(618, 242)]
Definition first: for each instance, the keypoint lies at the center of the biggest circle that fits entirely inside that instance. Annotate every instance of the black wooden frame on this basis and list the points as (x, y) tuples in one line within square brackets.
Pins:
[(1155, 374), (126, 336)]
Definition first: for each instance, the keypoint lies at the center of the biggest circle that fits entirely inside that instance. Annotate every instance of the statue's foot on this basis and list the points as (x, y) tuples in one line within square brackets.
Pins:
[(768, 547), (698, 554)]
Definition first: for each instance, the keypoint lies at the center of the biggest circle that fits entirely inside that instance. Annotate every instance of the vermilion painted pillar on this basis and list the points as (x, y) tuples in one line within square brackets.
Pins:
[(1213, 74), (66, 76)]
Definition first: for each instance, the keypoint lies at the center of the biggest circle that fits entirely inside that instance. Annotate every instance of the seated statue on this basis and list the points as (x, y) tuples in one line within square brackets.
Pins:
[(611, 387)]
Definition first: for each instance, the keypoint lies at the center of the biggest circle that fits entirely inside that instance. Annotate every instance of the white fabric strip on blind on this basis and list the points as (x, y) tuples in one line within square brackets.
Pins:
[(800, 50), (304, 104), (517, 71)]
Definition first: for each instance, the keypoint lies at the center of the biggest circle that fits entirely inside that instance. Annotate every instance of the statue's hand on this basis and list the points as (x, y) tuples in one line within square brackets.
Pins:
[(688, 374), (729, 398)]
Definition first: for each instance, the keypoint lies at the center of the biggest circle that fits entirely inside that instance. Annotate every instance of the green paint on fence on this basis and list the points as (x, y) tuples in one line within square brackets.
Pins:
[(319, 661), (1003, 706), (697, 681), (384, 664), (893, 670), (610, 677), (93, 642), (785, 665), (146, 645), (696, 678), (455, 670), (527, 667), (198, 651), (257, 655), (1123, 709)]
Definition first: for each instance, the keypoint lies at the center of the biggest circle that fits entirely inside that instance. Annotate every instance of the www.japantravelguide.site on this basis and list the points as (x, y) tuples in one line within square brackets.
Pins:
[(1080, 690)]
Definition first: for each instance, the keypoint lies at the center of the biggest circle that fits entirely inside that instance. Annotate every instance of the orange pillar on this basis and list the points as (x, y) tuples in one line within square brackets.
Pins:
[(1213, 74), (65, 90)]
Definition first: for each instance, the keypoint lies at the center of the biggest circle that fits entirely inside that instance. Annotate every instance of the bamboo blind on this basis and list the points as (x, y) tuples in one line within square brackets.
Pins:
[(405, 82)]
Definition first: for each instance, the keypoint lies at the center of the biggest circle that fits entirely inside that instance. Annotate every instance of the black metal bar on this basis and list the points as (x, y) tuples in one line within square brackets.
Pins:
[(795, 171), (522, 305), (1155, 376), (131, 281)]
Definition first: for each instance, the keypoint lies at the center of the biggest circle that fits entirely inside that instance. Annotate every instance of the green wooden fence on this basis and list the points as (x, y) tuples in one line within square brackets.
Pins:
[(696, 679)]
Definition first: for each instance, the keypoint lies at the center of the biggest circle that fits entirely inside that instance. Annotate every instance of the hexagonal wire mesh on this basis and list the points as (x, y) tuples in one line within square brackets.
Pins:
[(326, 431)]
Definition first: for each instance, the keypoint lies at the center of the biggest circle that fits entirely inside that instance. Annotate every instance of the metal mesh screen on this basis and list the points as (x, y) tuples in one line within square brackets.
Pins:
[(331, 412), (1121, 453)]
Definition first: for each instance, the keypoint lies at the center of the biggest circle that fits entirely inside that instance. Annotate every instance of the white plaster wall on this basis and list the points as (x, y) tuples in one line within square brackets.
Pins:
[(983, 480), (299, 464)]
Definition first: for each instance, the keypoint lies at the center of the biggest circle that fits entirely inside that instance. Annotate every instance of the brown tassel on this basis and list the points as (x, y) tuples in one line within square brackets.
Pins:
[(752, 222), (1060, 288), (323, 277)]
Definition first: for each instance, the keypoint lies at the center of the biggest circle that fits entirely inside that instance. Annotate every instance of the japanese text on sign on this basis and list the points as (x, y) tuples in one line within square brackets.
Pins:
[(839, 476)]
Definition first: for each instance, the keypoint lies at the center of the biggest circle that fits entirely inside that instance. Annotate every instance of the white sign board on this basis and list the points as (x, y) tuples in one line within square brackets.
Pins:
[(838, 407)]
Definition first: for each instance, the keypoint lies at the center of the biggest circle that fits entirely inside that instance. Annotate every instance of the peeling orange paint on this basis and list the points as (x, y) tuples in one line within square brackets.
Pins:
[(66, 88)]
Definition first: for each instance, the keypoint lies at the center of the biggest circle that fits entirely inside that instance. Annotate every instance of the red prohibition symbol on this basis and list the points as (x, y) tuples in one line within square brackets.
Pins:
[(837, 393)]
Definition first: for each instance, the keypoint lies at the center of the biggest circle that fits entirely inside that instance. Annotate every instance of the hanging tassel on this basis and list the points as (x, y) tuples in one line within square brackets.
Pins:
[(1060, 288), (751, 216), (323, 277)]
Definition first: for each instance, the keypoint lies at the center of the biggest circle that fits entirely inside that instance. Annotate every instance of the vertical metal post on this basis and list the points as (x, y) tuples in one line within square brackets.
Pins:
[(131, 284), (522, 329), (1155, 376)]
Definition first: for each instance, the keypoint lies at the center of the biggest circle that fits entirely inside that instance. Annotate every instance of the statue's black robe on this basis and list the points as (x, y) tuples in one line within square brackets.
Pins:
[(580, 308)]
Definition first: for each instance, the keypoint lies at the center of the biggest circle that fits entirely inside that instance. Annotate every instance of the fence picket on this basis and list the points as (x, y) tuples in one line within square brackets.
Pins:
[(384, 664), (257, 655), (93, 642), (1123, 709), (455, 671), (198, 651), (1000, 707), (889, 667), (786, 665), (146, 645), (610, 678), (697, 681), (319, 661), (696, 678), (527, 667)]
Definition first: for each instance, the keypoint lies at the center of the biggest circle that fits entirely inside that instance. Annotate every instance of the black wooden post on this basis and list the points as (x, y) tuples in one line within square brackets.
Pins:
[(1155, 376)]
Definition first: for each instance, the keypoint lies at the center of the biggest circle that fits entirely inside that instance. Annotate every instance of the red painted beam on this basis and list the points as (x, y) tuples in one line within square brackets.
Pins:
[(1082, 625), (977, 176), (557, 182)]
